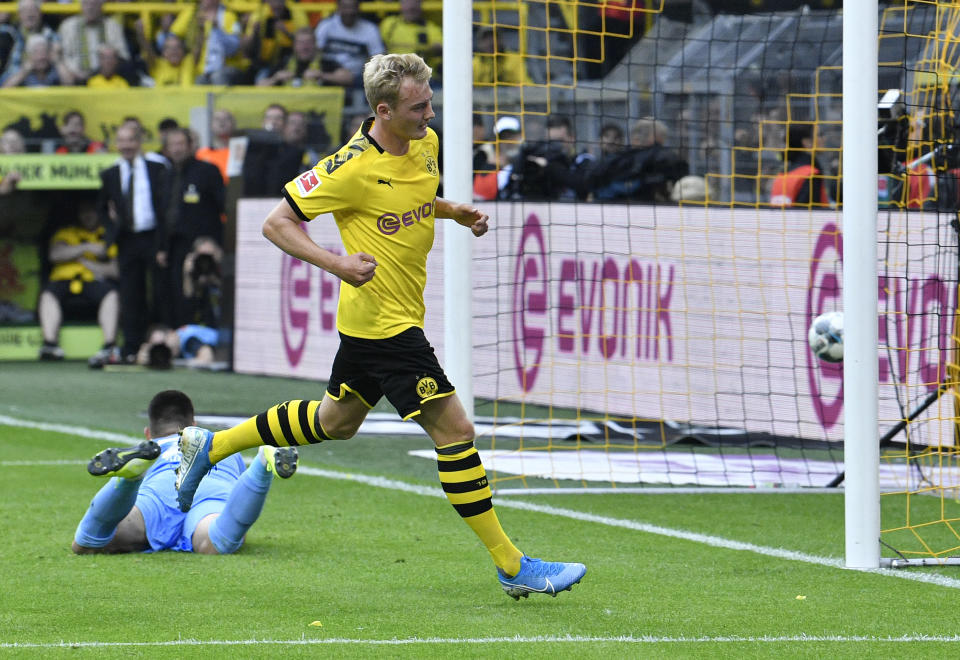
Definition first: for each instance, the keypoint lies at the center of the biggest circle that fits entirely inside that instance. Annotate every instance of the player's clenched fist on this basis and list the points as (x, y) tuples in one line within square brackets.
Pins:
[(356, 269)]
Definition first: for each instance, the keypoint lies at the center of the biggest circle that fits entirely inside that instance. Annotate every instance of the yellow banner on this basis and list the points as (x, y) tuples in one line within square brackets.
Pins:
[(37, 113), (56, 171)]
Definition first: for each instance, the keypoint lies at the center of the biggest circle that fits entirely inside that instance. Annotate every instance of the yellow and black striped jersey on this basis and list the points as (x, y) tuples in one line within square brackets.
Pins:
[(384, 206), (76, 235)]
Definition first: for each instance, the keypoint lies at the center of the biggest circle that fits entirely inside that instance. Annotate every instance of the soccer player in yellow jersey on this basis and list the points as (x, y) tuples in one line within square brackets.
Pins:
[(381, 189)]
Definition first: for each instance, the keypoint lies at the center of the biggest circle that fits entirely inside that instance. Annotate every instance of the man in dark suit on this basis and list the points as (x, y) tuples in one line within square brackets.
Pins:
[(197, 200), (131, 205)]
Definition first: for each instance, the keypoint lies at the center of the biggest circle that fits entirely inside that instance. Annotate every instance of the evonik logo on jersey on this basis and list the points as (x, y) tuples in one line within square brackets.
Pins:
[(390, 223)]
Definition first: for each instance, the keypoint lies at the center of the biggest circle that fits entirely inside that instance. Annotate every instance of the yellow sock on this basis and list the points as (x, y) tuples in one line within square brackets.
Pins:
[(465, 483), (288, 424)]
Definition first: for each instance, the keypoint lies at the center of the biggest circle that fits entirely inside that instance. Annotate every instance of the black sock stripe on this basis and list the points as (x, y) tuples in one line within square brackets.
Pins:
[(304, 420), (474, 508), (263, 428), (283, 416), (454, 449), (466, 463), (464, 486)]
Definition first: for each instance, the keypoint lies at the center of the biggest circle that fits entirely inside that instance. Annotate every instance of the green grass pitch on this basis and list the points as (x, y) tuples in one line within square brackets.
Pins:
[(390, 570)]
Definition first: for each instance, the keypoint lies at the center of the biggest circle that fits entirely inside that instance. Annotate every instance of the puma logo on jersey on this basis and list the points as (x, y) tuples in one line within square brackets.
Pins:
[(386, 182)]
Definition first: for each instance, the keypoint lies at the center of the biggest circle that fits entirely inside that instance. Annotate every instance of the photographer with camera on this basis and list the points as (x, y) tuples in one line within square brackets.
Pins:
[(202, 280), (550, 170)]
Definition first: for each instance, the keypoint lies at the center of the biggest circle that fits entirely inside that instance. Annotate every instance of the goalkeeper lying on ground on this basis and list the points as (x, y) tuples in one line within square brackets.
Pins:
[(136, 511)]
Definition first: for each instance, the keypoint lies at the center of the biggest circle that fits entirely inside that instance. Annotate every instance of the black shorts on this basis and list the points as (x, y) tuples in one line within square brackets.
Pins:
[(83, 305), (403, 367)]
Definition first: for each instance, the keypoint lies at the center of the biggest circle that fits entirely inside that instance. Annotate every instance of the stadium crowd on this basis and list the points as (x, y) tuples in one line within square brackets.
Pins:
[(137, 247)]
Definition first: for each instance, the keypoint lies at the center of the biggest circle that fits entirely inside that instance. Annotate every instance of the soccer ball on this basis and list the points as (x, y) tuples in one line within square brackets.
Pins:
[(826, 336)]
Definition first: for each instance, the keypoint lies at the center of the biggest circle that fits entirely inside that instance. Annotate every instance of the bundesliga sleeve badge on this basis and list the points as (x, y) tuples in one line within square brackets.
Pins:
[(307, 182)]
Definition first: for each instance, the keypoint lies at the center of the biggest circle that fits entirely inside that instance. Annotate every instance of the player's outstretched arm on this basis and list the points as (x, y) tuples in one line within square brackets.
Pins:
[(282, 228), (467, 215)]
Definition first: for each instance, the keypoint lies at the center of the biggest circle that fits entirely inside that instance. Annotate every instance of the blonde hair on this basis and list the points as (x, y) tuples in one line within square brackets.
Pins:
[(383, 75)]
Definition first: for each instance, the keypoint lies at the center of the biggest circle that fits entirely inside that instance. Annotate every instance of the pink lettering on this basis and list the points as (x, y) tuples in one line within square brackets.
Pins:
[(611, 278), (565, 304), (586, 306)]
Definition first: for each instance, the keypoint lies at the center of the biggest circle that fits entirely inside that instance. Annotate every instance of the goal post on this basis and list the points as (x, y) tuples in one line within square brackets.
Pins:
[(457, 186), (860, 366)]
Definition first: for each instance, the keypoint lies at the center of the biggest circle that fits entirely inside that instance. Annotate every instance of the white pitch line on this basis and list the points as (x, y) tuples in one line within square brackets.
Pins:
[(39, 463), (118, 438), (430, 491), (539, 639)]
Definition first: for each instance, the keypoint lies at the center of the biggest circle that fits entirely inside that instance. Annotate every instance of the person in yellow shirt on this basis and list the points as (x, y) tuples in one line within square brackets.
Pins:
[(106, 77), (268, 38), (212, 33), (82, 284), (493, 67), (410, 32), (173, 68), (381, 191)]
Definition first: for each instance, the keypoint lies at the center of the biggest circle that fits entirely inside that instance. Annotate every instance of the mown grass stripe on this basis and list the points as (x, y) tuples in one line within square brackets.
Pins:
[(434, 491)]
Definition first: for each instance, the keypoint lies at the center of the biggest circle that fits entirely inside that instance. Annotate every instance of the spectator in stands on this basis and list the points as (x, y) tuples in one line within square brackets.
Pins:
[(488, 184), (296, 135), (644, 172), (74, 136), (611, 140), (9, 44), (483, 148), (163, 127), (268, 39), (800, 182), (107, 76), (13, 36), (411, 32), (132, 205), (222, 128), (174, 67), (495, 67), (82, 35), (304, 66), (349, 39), (197, 201), (42, 66), (11, 142), (270, 162), (551, 169), (82, 284), (212, 35)]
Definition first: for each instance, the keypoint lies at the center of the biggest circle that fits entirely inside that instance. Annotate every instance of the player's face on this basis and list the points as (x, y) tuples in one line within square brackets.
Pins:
[(414, 110)]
